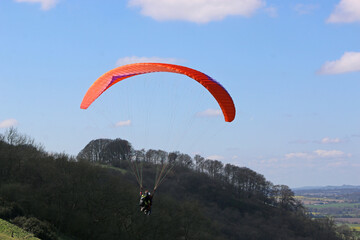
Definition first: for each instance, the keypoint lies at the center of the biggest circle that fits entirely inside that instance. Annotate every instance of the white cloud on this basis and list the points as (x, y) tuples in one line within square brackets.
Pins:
[(300, 141), (215, 157), (123, 123), (8, 123), (298, 155), (209, 113), (303, 9), (45, 4), (270, 161), (346, 11), (317, 154), (135, 59), (326, 140), (199, 11), (331, 154), (338, 164), (349, 62)]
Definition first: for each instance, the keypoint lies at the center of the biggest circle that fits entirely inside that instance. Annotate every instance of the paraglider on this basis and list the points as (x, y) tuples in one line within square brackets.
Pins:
[(145, 201), (123, 72), (118, 74)]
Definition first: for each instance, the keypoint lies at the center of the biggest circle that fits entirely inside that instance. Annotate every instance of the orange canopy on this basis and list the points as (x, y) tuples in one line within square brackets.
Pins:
[(120, 73)]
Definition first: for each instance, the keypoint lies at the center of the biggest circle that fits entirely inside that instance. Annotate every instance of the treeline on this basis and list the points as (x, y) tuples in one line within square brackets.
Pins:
[(246, 183), (79, 197)]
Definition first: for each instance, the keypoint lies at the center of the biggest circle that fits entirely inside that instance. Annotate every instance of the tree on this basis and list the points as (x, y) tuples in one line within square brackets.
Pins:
[(214, 168), (184, 160), (92, 151), (199, 163), (285, 197), (115, 152)]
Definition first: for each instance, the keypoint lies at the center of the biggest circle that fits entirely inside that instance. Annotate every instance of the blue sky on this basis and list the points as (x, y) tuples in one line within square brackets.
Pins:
[(292, 68)]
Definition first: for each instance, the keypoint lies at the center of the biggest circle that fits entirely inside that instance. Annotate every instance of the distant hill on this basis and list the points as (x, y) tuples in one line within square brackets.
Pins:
[(200, 198)]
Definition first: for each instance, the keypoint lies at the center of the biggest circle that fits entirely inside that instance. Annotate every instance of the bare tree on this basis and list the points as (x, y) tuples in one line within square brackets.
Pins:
[(199, 163), (13, 137)]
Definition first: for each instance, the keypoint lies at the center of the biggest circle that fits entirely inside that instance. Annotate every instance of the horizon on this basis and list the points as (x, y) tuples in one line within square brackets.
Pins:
[(292, 69)]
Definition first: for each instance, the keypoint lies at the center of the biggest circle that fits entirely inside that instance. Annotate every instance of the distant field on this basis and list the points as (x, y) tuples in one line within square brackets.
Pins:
[(10, 231), (356, 227), (333, 205), (318, 200), (355, 221), (342, 205)]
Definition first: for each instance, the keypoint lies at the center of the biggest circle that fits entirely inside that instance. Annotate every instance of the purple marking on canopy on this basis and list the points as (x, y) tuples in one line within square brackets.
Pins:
[(114, 78), (213, 80)]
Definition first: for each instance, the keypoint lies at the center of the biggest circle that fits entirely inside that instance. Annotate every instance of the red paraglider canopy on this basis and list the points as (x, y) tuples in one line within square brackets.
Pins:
[(120, 73)]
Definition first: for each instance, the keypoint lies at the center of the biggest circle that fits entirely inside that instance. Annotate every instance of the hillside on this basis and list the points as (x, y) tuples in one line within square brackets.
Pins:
[(89, 199), (11, 231)]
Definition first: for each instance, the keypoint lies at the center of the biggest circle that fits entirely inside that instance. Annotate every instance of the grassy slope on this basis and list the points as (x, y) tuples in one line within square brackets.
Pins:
[(123, 171), (7, 229)]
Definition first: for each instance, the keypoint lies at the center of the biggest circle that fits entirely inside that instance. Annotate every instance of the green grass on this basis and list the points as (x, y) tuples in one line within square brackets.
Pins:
[(123, 171), (10, 231), (5, 237)]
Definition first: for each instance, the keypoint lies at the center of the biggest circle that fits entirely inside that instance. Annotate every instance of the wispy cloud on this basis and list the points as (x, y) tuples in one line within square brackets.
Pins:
[(271, 11), (209, 113), (123, 123), (135, 59), (317, 154), (349, 62), (233, 149), (215, 157), (327, 140), (300, 141), (302, 155), (199, 11), (346, 11), (45, 4), (305, 162), (331, 153), (303, 9), (338, 164), (8, 123)]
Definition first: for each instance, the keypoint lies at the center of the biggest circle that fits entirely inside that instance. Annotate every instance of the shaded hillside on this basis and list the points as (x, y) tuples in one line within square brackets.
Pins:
[(79, 198)]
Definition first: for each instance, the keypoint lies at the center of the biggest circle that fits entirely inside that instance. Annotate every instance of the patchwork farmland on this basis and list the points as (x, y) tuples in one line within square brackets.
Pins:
[(339, 203)]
